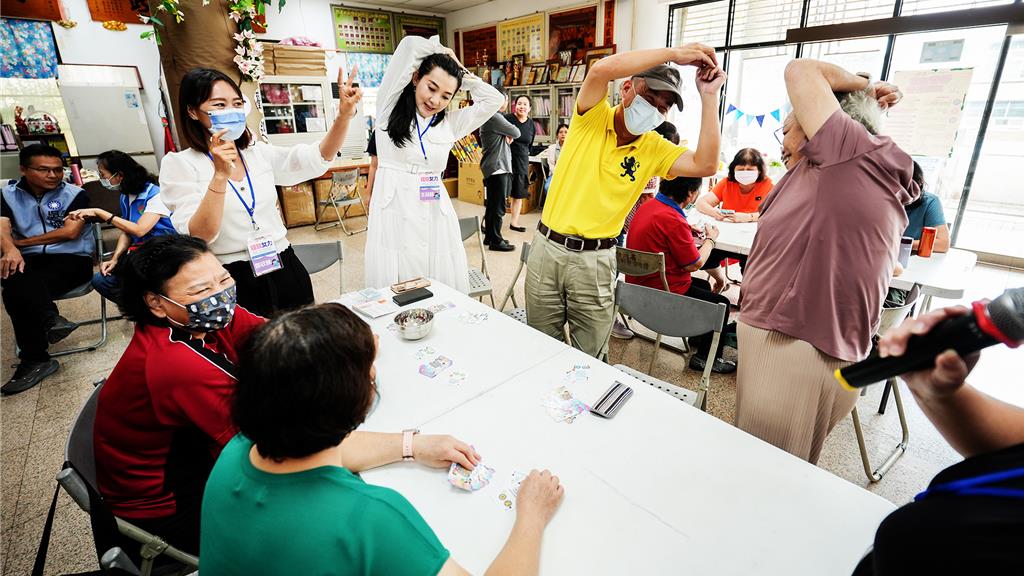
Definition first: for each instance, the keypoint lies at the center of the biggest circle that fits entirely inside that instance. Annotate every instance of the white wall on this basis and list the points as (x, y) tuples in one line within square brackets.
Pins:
[(90, 43)]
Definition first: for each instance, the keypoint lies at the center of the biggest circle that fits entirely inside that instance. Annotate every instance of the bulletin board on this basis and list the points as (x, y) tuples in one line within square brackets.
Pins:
[(479, 40), (574, 30), (127, 11), (365, 31), (522, 36), (425, 26)]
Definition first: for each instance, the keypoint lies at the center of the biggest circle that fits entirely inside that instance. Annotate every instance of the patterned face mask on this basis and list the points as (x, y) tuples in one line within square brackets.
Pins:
[(209, 314)]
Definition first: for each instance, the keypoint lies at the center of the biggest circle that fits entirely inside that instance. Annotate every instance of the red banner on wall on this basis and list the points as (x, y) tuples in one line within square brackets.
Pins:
[(127, 11)]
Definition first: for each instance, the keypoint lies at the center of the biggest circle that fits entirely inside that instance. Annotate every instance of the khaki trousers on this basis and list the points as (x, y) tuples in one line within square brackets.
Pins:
[(785, 391), (577, 288)]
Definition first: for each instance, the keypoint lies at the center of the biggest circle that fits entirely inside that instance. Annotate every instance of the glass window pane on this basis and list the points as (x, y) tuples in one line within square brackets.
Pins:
[(756, 88), (911, 7), (861, 55), (823, 12), (703, 23), (764, 20), (994, 219), (945, 175)]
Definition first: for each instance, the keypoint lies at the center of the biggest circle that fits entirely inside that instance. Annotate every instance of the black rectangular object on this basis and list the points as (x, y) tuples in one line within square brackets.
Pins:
[(411, 296)]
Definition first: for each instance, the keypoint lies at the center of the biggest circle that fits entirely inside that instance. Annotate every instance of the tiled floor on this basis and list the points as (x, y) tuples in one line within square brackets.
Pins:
[(35, 423)]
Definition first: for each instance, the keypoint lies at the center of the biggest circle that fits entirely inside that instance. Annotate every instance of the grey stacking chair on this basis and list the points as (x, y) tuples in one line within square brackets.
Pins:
[(891, 317), (516, 312), (344, 194), (479, 281), (84, 290), (79, 481), (671, 314), (320, 256), (639, 263)]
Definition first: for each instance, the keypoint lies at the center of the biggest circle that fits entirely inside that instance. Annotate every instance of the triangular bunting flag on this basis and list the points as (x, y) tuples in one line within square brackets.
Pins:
[(739, 114), (777, 114), (760, 120), (750, 119), (788, 108), (730, 109)]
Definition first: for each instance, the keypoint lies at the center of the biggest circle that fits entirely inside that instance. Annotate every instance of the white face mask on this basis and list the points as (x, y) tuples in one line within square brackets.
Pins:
[(105, 182), (746, 177), (641, 116)]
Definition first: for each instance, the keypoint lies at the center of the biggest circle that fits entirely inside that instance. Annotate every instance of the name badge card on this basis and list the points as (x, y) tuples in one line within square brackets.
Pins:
[(430, 187), (263, 255)]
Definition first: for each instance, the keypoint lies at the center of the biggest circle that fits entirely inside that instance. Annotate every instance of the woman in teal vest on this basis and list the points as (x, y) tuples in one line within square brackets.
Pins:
[(143, 214)]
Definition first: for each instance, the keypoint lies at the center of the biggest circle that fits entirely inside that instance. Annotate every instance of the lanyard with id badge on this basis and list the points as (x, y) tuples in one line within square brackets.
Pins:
[(430, 184), (263, 256)]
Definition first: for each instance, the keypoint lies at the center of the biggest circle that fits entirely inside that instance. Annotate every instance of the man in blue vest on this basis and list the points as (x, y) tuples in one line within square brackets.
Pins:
[(41, 256)]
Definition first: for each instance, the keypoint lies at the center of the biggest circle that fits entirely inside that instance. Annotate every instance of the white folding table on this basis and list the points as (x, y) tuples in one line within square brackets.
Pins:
[(662, 488)]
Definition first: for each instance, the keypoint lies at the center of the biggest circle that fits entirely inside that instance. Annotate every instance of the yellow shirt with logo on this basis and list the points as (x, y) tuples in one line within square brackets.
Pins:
[(596, 182)]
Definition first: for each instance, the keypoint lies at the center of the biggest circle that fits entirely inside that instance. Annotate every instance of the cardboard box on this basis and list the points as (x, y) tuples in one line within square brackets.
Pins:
[(471, 184), (452, 185), (297, 204)]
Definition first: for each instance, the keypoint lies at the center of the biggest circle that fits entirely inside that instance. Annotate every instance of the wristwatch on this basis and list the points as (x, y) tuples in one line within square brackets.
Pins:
[(407, 435)]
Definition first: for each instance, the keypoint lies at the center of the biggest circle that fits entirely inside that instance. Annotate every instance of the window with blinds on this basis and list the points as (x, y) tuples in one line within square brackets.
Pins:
[(759, 21), (822, 12), (699, 22), (911, 7)]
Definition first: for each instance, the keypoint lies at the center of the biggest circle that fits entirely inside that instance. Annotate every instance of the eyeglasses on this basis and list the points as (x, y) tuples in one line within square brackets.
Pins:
[(54, 171), (779, 135)]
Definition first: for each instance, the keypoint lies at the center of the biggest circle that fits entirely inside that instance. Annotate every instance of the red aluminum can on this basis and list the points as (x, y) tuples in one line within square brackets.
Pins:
[(924, 250)]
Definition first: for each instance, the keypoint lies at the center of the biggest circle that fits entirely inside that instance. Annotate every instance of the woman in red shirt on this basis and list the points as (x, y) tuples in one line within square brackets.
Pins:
[(165, 411)]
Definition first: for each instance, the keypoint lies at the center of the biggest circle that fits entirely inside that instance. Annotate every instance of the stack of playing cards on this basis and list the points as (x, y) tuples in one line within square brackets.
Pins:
[(471, 318), (507, 497), (435, 367), (562, 406), (470, 480), (441, 307)]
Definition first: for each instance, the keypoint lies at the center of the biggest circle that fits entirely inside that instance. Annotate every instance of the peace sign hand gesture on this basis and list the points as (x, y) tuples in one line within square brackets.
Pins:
[(348, 95)]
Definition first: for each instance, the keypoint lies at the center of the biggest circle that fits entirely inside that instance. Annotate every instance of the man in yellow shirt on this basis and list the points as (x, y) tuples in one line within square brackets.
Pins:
[(608, 157)]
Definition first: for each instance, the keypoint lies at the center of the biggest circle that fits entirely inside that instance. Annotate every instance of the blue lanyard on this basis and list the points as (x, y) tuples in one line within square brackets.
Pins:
[(670, 203), (420, 134), (977, 486), (251, 210)]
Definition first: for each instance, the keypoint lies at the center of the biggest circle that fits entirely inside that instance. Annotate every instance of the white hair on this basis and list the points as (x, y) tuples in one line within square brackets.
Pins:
[(862, 107)]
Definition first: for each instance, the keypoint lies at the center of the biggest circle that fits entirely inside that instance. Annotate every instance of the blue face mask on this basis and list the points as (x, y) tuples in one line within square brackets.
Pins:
[(105, 182), (641, 116), (376, 392), (233, 120), (210, 313)]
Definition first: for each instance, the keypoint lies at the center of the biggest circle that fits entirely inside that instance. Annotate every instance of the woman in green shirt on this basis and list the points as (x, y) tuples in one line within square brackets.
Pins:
[(284, 497)]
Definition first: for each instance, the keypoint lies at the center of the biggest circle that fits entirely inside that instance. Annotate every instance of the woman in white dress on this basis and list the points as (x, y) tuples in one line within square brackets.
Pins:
[(413, 229)]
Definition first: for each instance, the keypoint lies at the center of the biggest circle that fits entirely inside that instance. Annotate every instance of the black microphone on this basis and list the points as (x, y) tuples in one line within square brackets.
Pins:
[(988, 323)]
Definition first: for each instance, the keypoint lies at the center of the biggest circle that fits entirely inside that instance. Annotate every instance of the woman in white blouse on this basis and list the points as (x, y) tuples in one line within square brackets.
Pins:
[(413, 229), (223, 188)]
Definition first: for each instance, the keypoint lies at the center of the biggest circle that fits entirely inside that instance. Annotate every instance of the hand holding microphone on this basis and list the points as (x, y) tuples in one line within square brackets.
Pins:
[(950, 370), (938, 342)]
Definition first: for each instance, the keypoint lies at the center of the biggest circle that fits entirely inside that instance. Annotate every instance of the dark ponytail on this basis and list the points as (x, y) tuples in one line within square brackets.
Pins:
[(134, 176), (400, 122)]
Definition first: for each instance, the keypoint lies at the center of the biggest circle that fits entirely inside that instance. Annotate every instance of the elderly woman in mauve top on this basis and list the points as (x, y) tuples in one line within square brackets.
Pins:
[(821, 262)]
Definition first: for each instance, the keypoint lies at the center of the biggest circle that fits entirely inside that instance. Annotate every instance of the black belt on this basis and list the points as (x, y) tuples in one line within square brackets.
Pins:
[(575, 243)]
